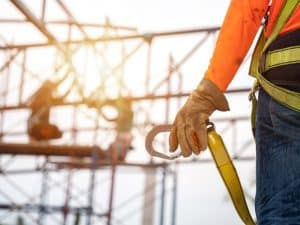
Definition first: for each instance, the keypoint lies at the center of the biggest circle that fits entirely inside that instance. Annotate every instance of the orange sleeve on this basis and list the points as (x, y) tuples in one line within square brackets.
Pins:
[(239, 28)]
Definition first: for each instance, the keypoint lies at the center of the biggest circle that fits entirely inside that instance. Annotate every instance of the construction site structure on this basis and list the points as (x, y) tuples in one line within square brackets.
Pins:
[(73, 118)]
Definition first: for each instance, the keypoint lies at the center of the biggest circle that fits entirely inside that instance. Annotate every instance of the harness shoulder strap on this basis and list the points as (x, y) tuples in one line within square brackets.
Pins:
[(285, 14), (289, 98), (263, 43)]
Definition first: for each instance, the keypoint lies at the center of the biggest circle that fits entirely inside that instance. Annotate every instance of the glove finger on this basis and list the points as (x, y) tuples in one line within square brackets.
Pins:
[(173, 140), (202, 136), (198, 133), (186, 149), (193, 140)]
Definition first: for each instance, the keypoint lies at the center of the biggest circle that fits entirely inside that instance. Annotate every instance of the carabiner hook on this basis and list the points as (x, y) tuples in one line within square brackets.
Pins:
[(149, 142), (166, 128)]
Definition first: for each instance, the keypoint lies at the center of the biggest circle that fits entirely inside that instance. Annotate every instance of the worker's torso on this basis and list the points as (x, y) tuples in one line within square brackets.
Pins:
[(286, 76), (292, 24)]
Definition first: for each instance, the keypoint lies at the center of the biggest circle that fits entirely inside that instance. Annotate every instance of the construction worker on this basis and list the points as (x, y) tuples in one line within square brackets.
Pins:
[(277, 122), (39, 127)]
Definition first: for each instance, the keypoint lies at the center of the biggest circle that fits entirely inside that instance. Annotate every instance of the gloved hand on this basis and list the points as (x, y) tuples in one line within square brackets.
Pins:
[(189, 127)]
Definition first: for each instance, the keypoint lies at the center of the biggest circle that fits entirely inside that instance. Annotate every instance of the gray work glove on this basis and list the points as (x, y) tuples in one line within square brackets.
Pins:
[(189, 127)]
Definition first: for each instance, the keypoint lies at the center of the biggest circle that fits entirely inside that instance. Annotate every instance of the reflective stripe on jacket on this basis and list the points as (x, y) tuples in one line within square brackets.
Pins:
[(241, 23)]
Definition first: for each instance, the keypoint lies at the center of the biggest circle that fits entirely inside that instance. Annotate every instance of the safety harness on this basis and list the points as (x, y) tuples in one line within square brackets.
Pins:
[(261, 62)]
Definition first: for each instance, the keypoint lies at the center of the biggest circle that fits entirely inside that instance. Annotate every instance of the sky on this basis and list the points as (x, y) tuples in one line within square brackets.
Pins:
[(202, 198)]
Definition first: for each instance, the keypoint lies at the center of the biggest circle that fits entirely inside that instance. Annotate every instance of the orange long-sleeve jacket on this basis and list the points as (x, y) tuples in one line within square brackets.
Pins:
[(241, 23)]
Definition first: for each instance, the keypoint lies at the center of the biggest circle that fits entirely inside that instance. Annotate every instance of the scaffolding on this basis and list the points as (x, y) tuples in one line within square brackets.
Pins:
[(85, 99)]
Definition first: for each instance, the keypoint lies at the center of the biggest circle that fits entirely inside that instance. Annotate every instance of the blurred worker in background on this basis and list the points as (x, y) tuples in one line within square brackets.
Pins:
[(277, 122), (39, 127)]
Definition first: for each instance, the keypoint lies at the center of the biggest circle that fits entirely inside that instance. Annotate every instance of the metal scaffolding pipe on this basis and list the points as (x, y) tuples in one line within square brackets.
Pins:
[(47, 209), (115, 38), (30, 17), (50, 150), (70, 15), (111, 101), (67, 22), (163, 196)]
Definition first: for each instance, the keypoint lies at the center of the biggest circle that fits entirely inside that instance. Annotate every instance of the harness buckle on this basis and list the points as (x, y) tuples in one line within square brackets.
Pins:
[(254, 89)]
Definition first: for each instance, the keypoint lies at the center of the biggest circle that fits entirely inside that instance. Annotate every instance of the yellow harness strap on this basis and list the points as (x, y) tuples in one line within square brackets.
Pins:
[(282, 57), (229, 175)]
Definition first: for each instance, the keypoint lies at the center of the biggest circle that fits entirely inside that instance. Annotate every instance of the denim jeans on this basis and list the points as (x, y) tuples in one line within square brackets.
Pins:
[(277, 200)]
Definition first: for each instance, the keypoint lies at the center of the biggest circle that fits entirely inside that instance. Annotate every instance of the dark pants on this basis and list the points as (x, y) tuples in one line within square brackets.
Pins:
[(278, 163)]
